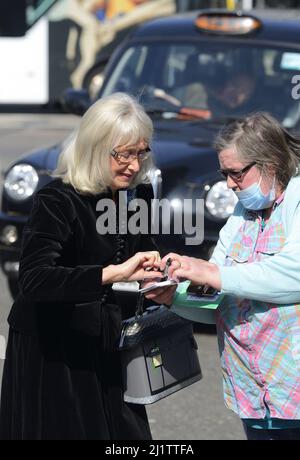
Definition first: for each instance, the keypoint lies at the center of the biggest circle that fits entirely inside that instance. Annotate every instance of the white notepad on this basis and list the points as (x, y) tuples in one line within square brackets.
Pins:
[(158, 285)]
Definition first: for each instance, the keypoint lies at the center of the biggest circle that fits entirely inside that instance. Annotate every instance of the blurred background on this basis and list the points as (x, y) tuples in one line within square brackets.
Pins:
[(47, 46)]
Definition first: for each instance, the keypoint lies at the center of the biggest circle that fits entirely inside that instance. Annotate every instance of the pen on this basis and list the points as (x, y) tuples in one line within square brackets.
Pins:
[(166, 269)]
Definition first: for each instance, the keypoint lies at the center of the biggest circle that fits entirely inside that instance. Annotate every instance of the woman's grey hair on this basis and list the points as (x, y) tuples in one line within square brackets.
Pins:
[(112, 121), (259, 137)]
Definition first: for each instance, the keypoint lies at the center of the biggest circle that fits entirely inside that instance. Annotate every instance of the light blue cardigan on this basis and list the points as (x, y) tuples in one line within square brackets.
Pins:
[(275, 279)]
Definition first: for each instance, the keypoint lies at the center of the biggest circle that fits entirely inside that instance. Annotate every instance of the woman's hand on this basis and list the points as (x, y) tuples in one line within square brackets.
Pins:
[(162, 295), (198, 271), (143, 265)]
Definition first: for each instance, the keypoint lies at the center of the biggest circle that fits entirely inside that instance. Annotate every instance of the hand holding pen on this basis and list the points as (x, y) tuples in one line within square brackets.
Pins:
[(165, 271), (169, 264)]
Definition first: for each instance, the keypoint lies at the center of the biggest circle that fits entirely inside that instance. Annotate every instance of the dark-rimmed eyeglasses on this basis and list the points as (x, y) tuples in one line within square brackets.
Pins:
[(128, 157), (236, 175)]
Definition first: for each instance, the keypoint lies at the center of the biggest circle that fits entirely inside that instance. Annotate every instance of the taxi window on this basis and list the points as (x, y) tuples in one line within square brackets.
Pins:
[(176, 64), (128, 70), (222, 79)]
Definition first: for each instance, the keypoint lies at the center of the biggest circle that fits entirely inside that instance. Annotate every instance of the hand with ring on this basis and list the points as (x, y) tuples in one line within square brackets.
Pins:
[(198, 271)]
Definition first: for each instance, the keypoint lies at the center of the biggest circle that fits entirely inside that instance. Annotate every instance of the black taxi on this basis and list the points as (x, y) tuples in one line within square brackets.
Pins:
[(193, 73)]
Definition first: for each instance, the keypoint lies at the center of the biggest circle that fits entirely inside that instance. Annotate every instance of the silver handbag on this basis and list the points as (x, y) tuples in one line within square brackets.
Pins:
[(158, 353)]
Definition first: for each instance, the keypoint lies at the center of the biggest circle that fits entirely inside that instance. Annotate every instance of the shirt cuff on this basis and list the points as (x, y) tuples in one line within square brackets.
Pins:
[(230, 283)]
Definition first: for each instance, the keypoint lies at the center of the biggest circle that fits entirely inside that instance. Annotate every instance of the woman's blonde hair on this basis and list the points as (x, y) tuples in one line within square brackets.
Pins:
[(260, 138), (112, 121)]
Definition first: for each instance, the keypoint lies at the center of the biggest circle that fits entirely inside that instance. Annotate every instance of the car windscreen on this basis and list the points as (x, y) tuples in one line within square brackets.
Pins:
[(209, 80)]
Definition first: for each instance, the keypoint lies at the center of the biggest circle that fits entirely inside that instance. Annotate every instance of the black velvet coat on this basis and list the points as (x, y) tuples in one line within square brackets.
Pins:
[(62, 375)]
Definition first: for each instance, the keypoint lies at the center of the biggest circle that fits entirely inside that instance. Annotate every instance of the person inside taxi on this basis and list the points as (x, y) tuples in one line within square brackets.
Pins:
[(236, 95), (225, 96)]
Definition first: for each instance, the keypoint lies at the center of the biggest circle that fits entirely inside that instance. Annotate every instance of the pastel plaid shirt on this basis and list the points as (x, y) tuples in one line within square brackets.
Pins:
[(259, 341)]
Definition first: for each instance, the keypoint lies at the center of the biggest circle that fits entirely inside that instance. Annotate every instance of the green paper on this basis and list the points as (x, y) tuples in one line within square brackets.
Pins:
[(193, 308)]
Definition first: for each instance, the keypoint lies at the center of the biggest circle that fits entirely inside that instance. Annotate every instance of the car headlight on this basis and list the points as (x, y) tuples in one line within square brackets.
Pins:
[(220, 201), (21, 182)]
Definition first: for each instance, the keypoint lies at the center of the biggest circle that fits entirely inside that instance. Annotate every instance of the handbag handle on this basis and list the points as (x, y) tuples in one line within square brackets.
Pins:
[(139, 305)]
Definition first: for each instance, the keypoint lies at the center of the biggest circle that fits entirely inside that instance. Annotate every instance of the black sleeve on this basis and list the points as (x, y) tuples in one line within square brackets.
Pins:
[(48, 230), (148, 241)]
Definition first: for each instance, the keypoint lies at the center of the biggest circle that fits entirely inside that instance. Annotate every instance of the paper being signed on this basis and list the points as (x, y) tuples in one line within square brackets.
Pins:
[(158, 285)]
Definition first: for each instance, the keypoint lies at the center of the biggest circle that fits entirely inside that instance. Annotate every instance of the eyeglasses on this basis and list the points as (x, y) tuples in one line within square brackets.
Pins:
[(128, 157), (236, 175)]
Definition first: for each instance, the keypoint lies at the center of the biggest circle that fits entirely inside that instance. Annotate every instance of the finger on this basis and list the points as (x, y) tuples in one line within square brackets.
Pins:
[(174, 268), (155, 263), (159, 292), (154, 294), (146, 255), (181, 274), (171, 255), (151, 263), (153, 258), (153, 275), (156, 255), (167, 295), (151, 255)]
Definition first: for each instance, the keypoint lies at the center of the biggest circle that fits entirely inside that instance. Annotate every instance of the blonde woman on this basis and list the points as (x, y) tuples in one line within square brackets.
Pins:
[(62, 376)]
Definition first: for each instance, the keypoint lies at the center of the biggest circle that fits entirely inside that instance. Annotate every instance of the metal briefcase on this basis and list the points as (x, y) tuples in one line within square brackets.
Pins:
[(159, 355)]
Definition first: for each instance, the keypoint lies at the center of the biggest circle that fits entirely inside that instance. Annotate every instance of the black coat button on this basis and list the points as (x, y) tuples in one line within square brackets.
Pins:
[(119, 254), (118, 260)]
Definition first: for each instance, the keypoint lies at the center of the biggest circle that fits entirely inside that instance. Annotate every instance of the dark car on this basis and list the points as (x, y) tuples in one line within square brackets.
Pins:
[(193, 73)]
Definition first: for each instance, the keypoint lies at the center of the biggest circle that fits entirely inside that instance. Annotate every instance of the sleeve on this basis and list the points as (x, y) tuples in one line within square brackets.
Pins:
[(148, 242), (47, 232), (275, 279), (225, 236), (219, 254)]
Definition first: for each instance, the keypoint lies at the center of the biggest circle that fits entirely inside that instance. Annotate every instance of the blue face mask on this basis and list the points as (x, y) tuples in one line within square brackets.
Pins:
[(253, 198)]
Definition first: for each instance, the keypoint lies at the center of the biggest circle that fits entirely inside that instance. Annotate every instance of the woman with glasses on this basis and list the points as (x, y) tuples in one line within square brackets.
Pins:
[(256, 264), (62, 377)]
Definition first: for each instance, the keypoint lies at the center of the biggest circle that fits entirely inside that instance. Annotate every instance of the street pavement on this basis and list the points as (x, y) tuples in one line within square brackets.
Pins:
[(196, 412)]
